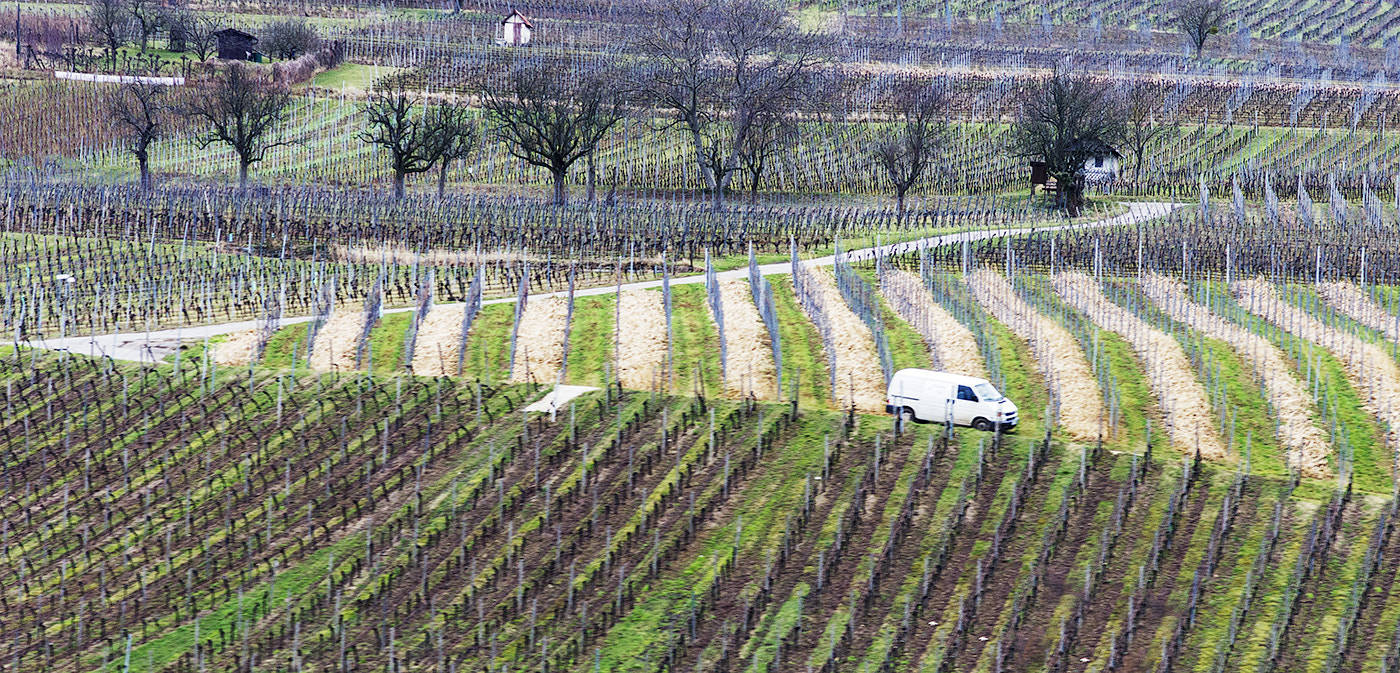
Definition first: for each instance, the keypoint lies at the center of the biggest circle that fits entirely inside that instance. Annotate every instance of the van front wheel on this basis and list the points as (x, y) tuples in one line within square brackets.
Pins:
[(982, 424)]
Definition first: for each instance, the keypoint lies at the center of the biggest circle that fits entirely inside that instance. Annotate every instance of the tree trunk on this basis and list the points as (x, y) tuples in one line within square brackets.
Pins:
[(899, 199), (1073, 193), (705, 171), (144, 164), (561, 193), (442, 177), (592, 180), (398, 184), (243, 175)]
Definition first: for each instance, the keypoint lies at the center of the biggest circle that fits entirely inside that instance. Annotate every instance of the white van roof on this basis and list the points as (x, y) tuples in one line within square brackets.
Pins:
[(931, 375)]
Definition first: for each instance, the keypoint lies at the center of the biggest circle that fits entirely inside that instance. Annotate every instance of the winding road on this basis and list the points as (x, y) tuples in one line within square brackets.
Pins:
[(155, 345)]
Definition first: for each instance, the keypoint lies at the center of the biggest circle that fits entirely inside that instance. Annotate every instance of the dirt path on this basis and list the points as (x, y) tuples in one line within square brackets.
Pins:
[(149, 346), (439, 339), (237, 350), (1356, 304), (860, 380), (749, 353), (1057, 355), (539, 343), (336, 342), (1188, 415), (1368, 367), (951, 346), (1307, 446), (641, 341)]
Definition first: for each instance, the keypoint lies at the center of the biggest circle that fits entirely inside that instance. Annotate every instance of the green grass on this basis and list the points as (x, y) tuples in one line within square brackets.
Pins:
[(488, 345), (287, 348), (591, 340), (353, 76), (386, 344), (801, 349), (696, 344), (1254, 422)]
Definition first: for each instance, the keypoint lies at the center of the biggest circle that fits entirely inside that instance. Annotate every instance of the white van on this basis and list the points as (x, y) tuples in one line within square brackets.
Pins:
[(925, 395)]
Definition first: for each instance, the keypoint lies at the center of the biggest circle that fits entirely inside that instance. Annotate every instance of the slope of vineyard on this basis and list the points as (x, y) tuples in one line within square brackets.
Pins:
[(203, 519)]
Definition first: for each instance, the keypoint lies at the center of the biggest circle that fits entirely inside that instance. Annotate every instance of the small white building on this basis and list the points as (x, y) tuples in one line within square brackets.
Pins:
[(1102, 165), (515, 30)]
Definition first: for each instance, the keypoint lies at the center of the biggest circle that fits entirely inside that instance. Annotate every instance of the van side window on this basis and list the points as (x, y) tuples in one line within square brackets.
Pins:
[(965, 393)]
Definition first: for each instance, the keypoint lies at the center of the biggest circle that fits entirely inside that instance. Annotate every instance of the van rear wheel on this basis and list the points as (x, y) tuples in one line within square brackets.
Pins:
[(982, 424), (907, 415)]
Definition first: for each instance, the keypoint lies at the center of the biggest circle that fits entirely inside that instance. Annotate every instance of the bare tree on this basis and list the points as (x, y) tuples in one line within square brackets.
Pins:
[(148, 18), (194, 31), (913, 140), (552, 119), (140, 109), (108, 21), (240, 110), (1140, 125), (720, 67), (1065, 121), (455, 135), (1199, 19), (772, 131), (396, 121), (289, 38)]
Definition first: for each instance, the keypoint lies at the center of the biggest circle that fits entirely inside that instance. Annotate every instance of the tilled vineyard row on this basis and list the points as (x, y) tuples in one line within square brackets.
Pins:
[(435, 527)]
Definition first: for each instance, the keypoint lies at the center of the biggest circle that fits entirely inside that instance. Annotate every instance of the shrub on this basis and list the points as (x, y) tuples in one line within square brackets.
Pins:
[(289, 38)]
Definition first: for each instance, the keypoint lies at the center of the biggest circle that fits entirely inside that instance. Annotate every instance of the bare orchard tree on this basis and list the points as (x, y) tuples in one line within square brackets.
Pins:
[(1199, 19), (552, 117), (772, 131), (1065, 120), (194, 31), (455, 135), (718, 68), (913, 140), (241, 109), (147, 17), (1141, 127), (140, 110), (107, 19), (289, 38), (396, 121)]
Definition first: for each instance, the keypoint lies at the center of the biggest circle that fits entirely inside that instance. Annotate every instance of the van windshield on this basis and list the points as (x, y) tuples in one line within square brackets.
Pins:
[(987, 393)]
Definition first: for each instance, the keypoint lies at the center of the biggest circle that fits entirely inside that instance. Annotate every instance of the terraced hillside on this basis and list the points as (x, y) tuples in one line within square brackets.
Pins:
[(196, 519)]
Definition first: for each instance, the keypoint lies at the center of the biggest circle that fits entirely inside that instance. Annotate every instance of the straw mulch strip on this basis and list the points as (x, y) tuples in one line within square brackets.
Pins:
[(1354, 303), (439, 335), (1182, 398), (539, 343), (335, 345), (1306, 444), (237, 349), (951, 345), (1058, 356), (858, 367), (749, 353), (641, 340), (1368, 367)]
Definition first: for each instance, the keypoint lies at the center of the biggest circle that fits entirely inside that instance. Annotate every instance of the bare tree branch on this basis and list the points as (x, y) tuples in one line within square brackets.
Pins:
[(240, 110), (455, 134), (1065, 121), (1199, 19), (552, 118), (724, 70), (913, 141), (396, 121), (141, 109)]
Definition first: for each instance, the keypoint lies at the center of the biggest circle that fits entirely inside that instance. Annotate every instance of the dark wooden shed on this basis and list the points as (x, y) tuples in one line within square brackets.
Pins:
[(236, 45)]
